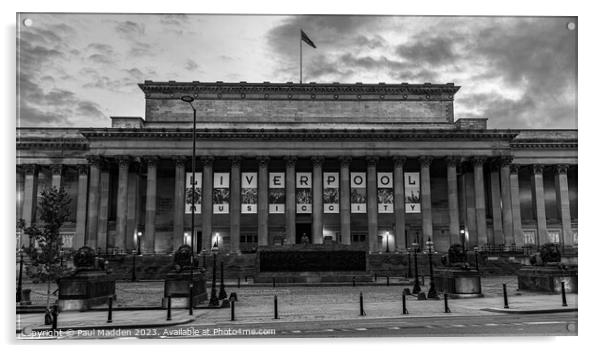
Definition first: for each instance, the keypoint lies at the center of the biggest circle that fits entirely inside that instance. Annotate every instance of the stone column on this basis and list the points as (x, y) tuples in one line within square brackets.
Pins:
[(452, 201), (506, 200), (345, 206), (148, 238), (102, 240), (235, 205), (517, 228), (93, 201), (399, 202), (122, 202), (30, 198), (291, 208), (179, 203), (207, 203), (562, 204), (425, 197), (133, 216), (479, 194), (262, 201), (496, 204), (317, 207), (540, 204), (80, 214), (372, 204), (57, 173), (470, 211)]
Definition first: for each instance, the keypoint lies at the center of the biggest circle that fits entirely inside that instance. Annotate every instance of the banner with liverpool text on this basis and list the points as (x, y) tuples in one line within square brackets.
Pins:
[(303, 192), (411, 182), (277, 195), (384, 184), (358, 192), (193, 190), (330, 196), (221, 193), (248, 193)]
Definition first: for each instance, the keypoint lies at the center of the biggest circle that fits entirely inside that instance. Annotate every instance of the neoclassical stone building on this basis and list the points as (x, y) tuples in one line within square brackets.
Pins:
[(378, 166)]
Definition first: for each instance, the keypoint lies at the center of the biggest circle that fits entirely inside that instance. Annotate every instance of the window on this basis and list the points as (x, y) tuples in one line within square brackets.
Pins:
[(358, 237), (529, 236), (554, 236)]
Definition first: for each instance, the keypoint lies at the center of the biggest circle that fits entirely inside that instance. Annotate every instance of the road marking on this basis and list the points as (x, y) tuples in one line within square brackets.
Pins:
[(361, 329), (328, 330), (394, 328), (491, 325), (545, 322), (458, 325)]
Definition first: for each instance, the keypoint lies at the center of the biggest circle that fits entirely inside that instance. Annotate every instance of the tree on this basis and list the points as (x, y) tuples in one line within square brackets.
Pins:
[(46, 243)]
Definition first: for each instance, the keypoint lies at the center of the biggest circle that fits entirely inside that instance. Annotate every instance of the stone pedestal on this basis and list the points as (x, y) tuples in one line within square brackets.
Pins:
[(458, 282), (547, 278), (177, 285), (85, 290)]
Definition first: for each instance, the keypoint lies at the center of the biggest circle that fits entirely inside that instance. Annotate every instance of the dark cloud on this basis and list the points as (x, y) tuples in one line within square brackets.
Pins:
[(433, 51), (191, 65), (141, 49), (175, 20), (130, 29)]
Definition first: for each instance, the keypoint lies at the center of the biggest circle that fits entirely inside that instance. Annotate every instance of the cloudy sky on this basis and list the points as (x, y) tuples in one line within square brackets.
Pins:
[(80, 69)]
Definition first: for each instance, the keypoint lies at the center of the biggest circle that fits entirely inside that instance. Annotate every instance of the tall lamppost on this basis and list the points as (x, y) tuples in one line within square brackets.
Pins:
[(20, 284), (416, 288), (189, 100), (476, 257), (432, 294), (387, 235)]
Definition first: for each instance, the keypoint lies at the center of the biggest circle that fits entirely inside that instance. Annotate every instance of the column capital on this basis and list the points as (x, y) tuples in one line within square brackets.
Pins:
[(561, 168), (345, 160), (207, 160), (180, 161), (235, 160), (151, 161), (453, 161), (537, 168), (371, 160), (494, 165), (514, 168), (478, 161), (82, 169), (123, 161), (291, 161), (56, 169), (263, 161), (399, 161), (317, 161), (94, 160), (425, 161), (505, 161), (29, 168)]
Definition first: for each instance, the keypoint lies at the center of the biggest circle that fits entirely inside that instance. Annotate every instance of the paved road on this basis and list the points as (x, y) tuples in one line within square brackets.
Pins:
[(558, 324)]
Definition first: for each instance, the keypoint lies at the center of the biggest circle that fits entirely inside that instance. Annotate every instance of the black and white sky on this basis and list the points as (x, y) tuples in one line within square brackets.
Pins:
[(77, 70)]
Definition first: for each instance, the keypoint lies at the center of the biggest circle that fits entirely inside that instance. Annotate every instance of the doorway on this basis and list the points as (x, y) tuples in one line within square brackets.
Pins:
[(302, 229)]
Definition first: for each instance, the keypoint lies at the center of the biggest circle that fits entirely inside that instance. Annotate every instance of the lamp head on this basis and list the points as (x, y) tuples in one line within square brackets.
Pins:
[(187, 99)]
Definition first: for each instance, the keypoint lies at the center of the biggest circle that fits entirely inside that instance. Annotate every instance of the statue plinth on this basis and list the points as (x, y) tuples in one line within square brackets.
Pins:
[(457, 278), (547, 273), (89, 286), (177, 285)]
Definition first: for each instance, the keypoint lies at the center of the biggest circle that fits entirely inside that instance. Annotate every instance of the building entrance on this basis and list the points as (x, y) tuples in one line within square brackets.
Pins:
[(301, 230)]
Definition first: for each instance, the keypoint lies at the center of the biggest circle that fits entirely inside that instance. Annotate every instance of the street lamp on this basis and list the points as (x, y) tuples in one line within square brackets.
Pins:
[(387, 235), (189, 100), (476, 257), (432, 294), (416, 288), (138, 236), (20, 285)]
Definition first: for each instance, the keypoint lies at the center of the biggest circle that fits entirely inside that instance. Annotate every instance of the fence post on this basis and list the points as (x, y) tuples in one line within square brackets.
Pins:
[(110, 317), (563, 294), (169, 308), (55, 317), (276, 307), (232, 304), (446, 304), (403, 302), (362, 312), (387, 281), (505, 297)]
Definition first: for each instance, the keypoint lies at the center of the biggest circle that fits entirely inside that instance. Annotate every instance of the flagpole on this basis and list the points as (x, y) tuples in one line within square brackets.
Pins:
[(300, 58)]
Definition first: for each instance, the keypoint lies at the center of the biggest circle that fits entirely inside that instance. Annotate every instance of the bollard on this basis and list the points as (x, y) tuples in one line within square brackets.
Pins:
[(353, 281), (190, 300), (403, 302), (563, 294), (447, 311), (246, 279), (238, 283), (362, 312), (387, 281), (232, 304), (375, 277), (276, 307), (55, 317), (169, 308), (110, 317), (273, 282), (423, 280), (505, 297)]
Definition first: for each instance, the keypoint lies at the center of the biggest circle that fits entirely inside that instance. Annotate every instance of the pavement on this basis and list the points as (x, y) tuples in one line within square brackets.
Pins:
[(306, 304)]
